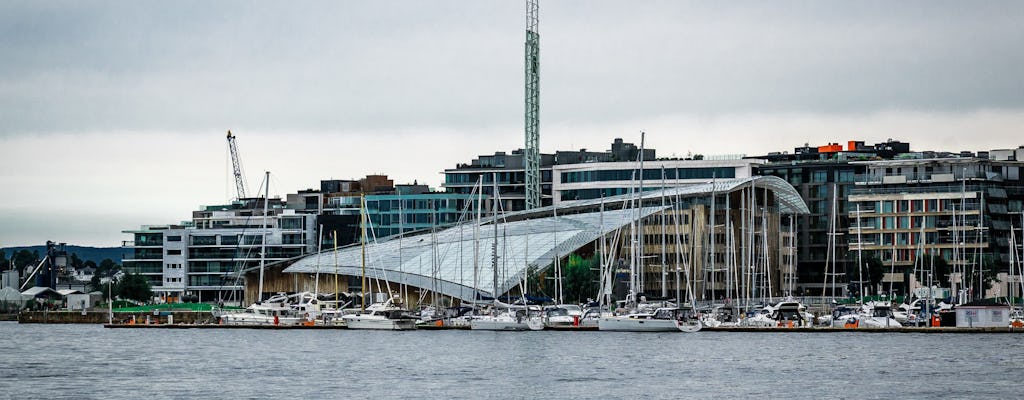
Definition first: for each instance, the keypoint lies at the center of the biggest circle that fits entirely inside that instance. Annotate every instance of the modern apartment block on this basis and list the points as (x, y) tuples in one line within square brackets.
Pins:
[(824, 177), (204, 257), (963, 209), (509, 171), (594, 180), (391, 209)]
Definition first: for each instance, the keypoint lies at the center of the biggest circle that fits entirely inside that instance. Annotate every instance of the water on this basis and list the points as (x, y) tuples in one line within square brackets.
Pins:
[(87, 361)]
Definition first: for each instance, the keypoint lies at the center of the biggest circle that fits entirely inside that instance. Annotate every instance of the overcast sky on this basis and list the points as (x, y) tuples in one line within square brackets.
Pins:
[(113, 115)]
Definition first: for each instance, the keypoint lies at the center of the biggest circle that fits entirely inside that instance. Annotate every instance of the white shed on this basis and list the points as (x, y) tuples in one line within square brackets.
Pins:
[(982, 314)]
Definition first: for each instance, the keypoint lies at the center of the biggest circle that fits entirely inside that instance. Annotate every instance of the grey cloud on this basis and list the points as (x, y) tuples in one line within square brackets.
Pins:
[(72, 66)]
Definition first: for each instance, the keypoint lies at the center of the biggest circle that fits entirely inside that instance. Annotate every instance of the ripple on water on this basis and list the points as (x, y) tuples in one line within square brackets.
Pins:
[(90, 362)]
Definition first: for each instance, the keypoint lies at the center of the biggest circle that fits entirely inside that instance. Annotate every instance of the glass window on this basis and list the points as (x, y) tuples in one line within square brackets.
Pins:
[(819, 176), (204, 240), (845, 176), (229, 240)]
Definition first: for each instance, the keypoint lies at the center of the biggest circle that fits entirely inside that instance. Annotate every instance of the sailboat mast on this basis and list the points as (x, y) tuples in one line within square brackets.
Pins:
[(728, 247), (860, 262), (263, 242), (601, 256), (713, 253), (664, 271), (362, 248), (557, 259), (640, 222), (476, 239), (401, 235), (494, 246), (336, 294), (319, 248)]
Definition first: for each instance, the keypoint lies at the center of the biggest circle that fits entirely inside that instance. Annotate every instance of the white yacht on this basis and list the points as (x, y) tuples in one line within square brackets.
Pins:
[(876, 315), (275, 311), (510, 320), (664, 319), (719, 316), (381, 316), (566, 315)]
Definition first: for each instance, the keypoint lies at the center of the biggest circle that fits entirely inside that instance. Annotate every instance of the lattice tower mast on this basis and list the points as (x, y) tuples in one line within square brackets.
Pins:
[(532, 131)]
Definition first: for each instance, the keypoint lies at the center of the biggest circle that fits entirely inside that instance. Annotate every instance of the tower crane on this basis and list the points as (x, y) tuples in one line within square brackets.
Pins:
[(236, 164)]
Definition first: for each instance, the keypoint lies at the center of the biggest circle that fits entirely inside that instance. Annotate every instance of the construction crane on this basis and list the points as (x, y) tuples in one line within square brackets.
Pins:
[(236, 164), (532, 128)]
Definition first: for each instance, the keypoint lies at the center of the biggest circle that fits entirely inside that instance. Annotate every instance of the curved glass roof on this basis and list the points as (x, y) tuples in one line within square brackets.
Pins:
[(480, 254)]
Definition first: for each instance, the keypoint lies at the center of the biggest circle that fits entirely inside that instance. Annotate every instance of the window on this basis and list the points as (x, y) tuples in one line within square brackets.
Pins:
[(292, 238), (229, 240), (174, 252), (292, 223), (204, 240), (819, 176), (174, 238)]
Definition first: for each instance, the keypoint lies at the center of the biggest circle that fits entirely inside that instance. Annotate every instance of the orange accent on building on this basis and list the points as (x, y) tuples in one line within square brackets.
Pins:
[(830, 148)]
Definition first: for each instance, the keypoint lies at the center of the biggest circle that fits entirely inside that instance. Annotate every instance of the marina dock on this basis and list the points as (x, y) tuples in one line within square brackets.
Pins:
[(589, 329)]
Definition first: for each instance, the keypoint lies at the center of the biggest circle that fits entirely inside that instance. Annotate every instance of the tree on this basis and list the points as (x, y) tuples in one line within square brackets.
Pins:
[(875, 272), (134, 287), (106, 265), (579, 278), (94, 283), (74, 261), (941, 268), (990, 267), (535, 281), (25, 257)]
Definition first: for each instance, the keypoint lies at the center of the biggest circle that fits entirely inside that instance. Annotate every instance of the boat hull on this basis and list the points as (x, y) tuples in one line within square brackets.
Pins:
[(375, 323), (258, 320), (503, 324), (626, 324)]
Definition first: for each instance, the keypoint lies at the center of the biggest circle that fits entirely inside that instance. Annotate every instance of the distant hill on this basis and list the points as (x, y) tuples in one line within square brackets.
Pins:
[(94, 254)]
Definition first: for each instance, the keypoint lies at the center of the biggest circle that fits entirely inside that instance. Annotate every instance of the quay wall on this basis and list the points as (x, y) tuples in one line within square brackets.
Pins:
[(101, 317)]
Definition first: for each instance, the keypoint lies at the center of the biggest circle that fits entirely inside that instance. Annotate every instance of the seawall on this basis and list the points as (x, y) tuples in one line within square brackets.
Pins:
[(102, 317)]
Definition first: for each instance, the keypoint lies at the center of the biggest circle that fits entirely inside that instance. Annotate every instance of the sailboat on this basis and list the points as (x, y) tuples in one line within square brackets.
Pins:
[(660, 316), (278, 310), (503, 316), (387, 315)]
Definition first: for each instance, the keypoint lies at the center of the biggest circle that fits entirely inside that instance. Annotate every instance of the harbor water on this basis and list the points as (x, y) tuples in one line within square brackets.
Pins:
[(88, 361)]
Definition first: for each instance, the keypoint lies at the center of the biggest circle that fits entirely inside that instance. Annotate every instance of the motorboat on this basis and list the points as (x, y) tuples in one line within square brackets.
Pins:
[(276, 311), (875, 315), (790, 314), (508, 320), (564, 315), (663, 319), (720, 315), (381, 316)]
